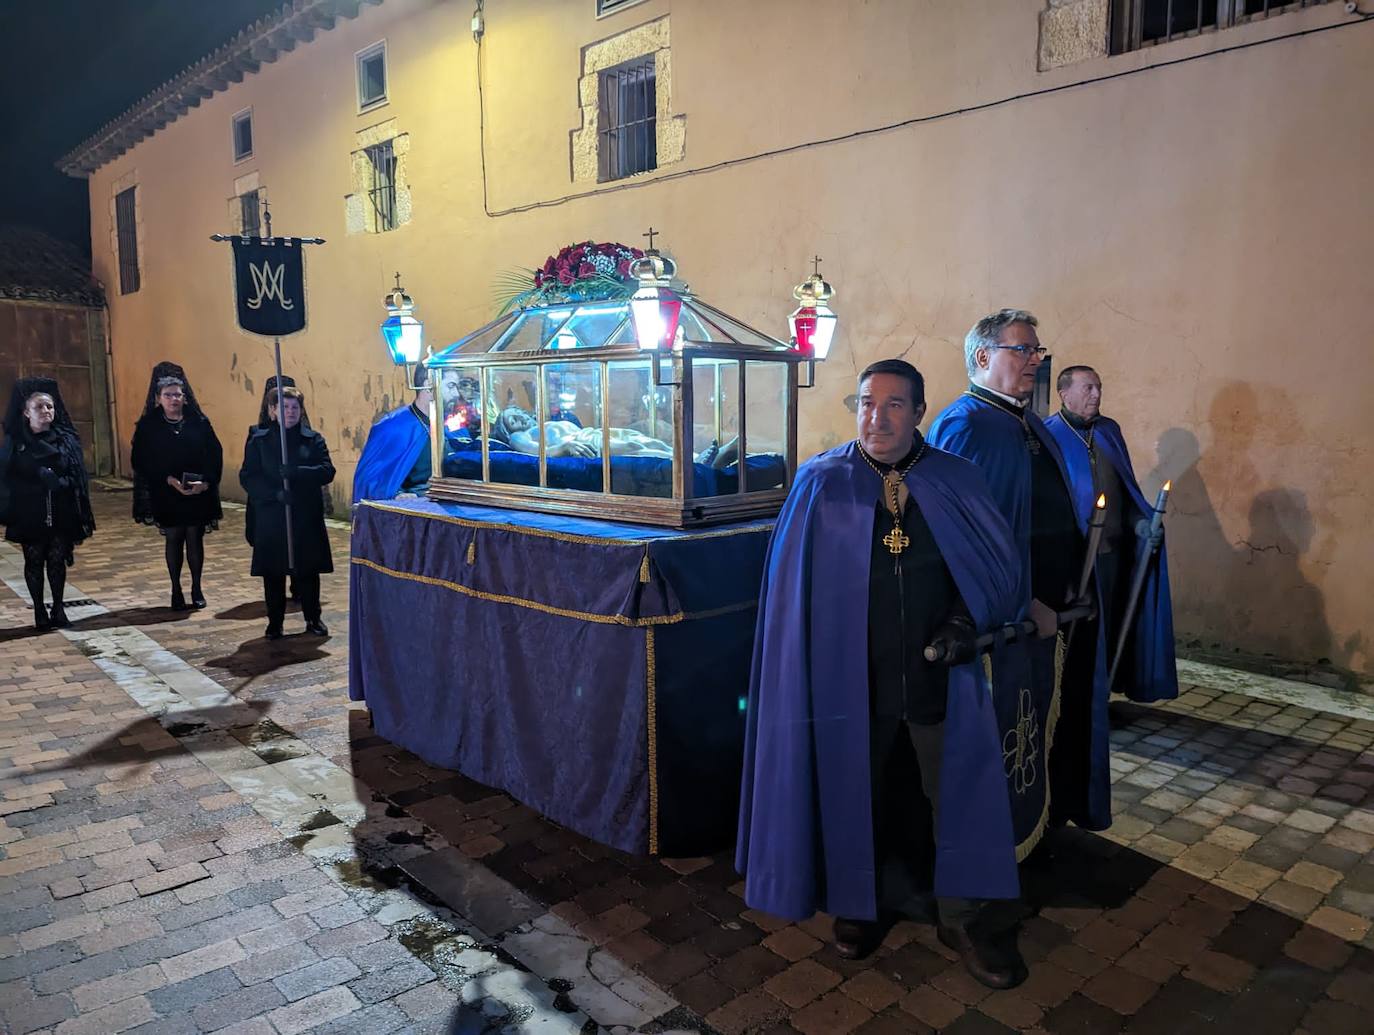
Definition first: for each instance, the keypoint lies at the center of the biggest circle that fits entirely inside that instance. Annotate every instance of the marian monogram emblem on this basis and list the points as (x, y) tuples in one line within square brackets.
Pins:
[(1019, 750), (267, 283)]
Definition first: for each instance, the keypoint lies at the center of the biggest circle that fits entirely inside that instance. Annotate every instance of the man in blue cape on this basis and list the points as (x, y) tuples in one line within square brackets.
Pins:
[(1099, 463), (396, 457), (992, 425), (853, 740)]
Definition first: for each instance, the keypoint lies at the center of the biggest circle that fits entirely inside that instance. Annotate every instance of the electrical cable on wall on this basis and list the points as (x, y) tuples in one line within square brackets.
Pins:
[(1361, 17)]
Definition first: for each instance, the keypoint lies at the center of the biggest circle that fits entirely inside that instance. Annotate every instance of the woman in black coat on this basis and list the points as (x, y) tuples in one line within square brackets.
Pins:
[(177, 463), (46, 504), (307, 469)]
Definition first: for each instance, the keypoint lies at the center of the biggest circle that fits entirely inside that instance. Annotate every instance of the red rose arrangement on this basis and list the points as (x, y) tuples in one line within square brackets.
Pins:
[(586, 272)]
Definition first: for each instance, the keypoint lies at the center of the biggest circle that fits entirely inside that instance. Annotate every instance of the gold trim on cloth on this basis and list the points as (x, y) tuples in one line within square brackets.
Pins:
[(534, 605), (1051, 720), (565, 537), (651, 732)]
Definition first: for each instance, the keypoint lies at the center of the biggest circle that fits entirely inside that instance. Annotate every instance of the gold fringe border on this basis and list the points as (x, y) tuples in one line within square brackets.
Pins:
[(563, 612), (563, 537), (1051, 721), (651, 732)]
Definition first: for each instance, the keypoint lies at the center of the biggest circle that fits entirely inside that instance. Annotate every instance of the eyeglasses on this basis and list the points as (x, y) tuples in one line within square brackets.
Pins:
[(173, 395), (1024, 351)]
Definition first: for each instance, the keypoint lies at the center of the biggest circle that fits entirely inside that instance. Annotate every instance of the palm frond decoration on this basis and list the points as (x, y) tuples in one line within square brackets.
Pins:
[(585, 272)]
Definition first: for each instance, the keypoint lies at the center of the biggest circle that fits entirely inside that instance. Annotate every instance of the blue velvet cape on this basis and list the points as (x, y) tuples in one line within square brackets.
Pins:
[(806, 816), (1150, 673), (994, 440), (393, 445)]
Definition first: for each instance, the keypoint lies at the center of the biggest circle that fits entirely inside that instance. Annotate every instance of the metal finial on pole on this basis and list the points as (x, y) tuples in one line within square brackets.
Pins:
[(267, 216), (650, 235), (816, 265)]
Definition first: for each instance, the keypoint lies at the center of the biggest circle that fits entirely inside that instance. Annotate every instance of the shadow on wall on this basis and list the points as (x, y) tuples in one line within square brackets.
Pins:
[(1244, 591)]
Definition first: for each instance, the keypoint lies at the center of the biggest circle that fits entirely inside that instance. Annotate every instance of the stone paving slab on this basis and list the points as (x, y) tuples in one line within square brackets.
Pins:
[(348, 886)]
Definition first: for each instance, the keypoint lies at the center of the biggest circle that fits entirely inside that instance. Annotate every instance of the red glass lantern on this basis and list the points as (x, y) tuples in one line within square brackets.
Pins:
[(813, 322)]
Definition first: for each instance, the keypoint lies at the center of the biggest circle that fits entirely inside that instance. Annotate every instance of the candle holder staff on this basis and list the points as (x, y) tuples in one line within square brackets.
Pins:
[(1136, 619), (1061, 730)]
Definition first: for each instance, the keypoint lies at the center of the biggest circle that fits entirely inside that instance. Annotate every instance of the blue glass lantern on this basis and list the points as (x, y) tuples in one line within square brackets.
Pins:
[(404, 335)]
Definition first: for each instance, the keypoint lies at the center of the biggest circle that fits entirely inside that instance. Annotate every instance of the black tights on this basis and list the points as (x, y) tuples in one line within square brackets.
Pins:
[(189, 539), (51, 555)]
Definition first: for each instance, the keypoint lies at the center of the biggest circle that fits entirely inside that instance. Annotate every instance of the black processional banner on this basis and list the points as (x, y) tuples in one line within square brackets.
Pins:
[(269, 285), (1026, 682)]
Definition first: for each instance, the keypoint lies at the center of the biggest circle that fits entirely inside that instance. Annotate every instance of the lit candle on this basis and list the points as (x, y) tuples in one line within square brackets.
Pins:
[(1161, 503), (1095, 525)]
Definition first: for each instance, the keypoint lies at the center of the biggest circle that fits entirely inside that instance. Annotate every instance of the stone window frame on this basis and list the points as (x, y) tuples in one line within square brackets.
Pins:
[(637, 43), (357, 204), (249, 183)]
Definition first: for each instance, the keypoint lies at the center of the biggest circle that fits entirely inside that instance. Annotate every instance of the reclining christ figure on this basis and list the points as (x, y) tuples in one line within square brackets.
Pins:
[(517, 428)]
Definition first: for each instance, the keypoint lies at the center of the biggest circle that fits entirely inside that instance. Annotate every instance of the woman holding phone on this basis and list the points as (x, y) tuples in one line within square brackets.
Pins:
[(177, 463)]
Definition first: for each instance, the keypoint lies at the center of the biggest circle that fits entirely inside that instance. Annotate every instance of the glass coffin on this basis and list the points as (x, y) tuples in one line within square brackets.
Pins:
[(556, 408)]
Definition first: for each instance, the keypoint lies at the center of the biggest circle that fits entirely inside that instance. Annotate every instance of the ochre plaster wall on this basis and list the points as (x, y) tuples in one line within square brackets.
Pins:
[(1198, 232)]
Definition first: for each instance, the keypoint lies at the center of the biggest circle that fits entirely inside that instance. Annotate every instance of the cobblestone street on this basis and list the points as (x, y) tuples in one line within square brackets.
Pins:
[(199, 833)]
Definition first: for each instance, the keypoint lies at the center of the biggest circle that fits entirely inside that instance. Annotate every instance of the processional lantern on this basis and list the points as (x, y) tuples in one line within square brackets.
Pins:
[(655, 306), (812, 324), (404, 335)]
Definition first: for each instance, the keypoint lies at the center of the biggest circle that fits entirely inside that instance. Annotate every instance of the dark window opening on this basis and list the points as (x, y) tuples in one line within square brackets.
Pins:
[(382, 193), (629, 120), (1142, 23), (243, 136), (250, 218), (126, 231), (372, 76)]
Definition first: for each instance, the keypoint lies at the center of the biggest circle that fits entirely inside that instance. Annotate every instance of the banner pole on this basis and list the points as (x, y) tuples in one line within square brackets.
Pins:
[(285, 482)]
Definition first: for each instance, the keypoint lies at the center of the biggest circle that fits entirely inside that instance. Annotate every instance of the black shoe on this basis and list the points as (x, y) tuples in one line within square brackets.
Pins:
[(57, 617), (178, 601), (197, 600), (273, 631), (980, 959), (40, 618), (315, 627), (855, 939)]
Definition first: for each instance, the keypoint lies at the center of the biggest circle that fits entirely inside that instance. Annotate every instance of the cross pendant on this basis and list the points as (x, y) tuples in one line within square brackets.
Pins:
[(1033, 444), (896, 541)]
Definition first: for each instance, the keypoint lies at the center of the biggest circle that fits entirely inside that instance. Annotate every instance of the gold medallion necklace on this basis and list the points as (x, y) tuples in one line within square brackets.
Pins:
[(896, 540)]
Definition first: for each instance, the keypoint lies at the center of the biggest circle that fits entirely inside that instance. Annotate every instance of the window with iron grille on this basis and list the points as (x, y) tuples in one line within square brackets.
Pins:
[(381, 194), (372, 76), (126, 231), (1144, 23), (250, 214), (629, 120), (243, 135)]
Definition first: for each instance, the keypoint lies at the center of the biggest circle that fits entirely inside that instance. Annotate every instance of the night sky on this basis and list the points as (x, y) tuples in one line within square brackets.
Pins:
[(71, 66)]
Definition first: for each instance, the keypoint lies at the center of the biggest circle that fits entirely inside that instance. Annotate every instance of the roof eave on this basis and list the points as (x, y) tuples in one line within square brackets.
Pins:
[(260, 43)]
